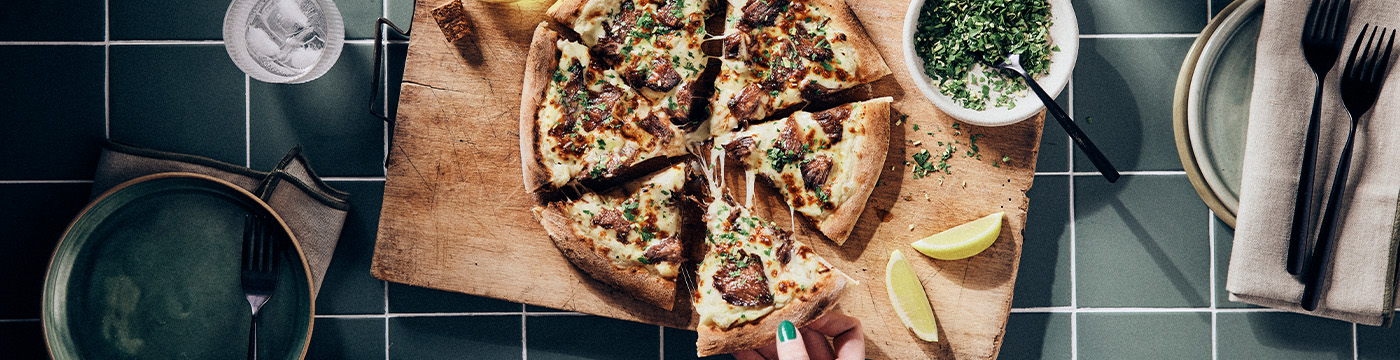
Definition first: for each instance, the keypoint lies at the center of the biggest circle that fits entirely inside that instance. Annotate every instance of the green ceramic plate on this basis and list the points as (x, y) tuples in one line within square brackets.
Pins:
[(1212, 105), (150, 270)]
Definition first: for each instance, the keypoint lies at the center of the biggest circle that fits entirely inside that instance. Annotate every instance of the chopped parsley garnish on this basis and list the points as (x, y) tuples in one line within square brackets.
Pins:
[(644, 260), (629, 210), (955, 35), (822, 196)]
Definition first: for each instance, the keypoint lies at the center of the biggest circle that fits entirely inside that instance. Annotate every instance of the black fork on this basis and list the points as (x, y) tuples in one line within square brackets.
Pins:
[(1360, 86), (1323, 33), (259, 272)]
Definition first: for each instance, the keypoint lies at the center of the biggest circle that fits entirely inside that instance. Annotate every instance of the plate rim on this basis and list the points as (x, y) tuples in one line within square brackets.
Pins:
[(1179, 111), (45, 302), (1194, 106)]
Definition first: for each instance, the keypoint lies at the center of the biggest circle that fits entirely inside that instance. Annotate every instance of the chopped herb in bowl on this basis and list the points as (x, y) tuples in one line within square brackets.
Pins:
[(954, 36)]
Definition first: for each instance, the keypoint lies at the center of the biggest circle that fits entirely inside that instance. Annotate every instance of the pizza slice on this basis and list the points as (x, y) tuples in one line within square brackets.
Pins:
[(630, 238), (825, 164), (754, 276), (653, 44), (778, 53), (580, 121)]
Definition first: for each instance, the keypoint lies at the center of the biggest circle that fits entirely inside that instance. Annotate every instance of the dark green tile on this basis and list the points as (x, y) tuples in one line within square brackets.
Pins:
[(328, 116), (583, 337), (349, 339), (455, 337), (1145, 336), (1044, 277), (1126, 86), (1277, 336), (23, 340), (168, 20), (180, 98), (1140, 16), (1054, 143), (1037, 336), (359, 16), (35, 216), (1217, 5), (52, 21), (1143, 242), (1224, 239), (348, 287), (413, 299), (1377, 343), (680, 345), (398, 55), (401, 13), (53, 100)]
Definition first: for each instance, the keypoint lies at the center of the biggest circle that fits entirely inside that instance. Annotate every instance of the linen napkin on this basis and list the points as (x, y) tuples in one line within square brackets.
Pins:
[(1360, 285), (314, 211)]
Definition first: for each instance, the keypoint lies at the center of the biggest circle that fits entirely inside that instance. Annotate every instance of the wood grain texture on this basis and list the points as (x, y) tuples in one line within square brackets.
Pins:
[(456, 215)]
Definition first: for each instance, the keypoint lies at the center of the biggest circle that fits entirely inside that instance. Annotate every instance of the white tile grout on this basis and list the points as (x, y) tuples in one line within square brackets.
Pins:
[(1073, 240), (524, 351), (1214, 330), (386, 319), (26, 182), (247, 121), (1355, 352), (2, 321), (353, 178), (1138, 36), (106, 70), (661, 342), (160, 42)]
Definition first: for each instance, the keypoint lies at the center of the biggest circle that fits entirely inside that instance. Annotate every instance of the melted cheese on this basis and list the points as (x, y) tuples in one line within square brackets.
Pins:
[(802, 270), (656, 205), (680, 46)]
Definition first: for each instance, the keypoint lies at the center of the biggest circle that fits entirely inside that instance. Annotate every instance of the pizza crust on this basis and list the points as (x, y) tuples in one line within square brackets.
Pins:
[(566, 11), (871, 64), (755, 334), (539, 66), (637, 282), (869, 160)]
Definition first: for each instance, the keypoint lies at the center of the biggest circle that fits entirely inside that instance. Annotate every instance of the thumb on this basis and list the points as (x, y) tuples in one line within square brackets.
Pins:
[(790, 346)]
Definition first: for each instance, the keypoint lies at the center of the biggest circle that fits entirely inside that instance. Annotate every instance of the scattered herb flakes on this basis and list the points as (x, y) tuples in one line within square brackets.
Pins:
[(956, 35), (1006, 159), (916, 127)]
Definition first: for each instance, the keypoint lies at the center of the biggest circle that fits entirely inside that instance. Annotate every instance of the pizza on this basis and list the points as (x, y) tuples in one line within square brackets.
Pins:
[(630, 238), (653, 45), (779, 53), (825, 164), (754, 276), (581, 121)]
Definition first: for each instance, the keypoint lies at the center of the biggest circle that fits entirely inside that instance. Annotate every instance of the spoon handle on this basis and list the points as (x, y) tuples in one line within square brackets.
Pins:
[(1080, 139)]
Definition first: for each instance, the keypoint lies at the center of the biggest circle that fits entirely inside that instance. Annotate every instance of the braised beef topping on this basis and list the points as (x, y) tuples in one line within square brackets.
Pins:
[(760, 13), (657, 128), (783, 66), (669, 13), (657, 75), (612, 219), (784, 250), (815, 172), (739, 148), (741, 282), (601, 104), (745, 105), (831, 121), (668, 249), (812, 90), (680, 114), (733, 220), (789, 142), (618, 159), (811, 47), (609, 47), (735, 46)]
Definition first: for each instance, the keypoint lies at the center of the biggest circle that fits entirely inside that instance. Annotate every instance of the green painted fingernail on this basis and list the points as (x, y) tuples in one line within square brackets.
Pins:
[(786, 331)]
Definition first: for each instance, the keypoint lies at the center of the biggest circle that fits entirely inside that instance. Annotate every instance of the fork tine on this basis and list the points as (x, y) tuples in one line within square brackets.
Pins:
[(1368, 56), (1351, 60), (247, 242), (271, 240), (1329, 21), (1339, 29), (265, 246), (1311, 22), (1378, 70)]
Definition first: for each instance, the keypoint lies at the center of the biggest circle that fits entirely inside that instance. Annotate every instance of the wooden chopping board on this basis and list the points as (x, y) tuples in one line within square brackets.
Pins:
[(456, 217)]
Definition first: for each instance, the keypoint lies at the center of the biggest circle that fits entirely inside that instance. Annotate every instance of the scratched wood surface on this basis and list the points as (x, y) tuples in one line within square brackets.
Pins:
[(456, 217)]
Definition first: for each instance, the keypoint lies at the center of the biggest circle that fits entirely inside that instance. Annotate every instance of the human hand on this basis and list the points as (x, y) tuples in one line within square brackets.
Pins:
[(812, 344)]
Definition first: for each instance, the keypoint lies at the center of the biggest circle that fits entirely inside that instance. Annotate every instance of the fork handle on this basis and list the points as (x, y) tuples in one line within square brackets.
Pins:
[(253, 339), (1080, 139), (1321, 258), (1303, 204)]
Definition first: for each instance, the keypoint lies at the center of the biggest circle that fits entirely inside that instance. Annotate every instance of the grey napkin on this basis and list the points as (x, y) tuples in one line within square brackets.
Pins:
[(314, 211), (1360, 285)]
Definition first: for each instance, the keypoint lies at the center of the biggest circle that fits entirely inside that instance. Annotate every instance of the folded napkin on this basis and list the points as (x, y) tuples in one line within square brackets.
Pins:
[(314, 211), (1360, 286)]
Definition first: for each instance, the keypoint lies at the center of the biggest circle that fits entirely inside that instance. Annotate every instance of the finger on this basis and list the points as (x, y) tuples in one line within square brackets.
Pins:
[(817, 346), (790, 345), (748, 355), (847, 331)]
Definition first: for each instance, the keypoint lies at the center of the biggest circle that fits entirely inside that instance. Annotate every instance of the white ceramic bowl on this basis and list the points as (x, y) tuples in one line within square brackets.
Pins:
[(1064, 31)]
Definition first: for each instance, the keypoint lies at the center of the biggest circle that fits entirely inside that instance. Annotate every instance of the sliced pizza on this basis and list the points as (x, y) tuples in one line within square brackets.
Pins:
[(580, 121), (653, 44), (825, 164), (778, 53), (630, 238), (754, 276)]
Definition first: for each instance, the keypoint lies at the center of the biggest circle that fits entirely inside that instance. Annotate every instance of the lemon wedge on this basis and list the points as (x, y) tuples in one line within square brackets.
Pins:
[(908, 297), (962, 241)]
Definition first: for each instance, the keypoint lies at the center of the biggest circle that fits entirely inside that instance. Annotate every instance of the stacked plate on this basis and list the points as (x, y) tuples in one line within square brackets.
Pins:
[(1211, 108)]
